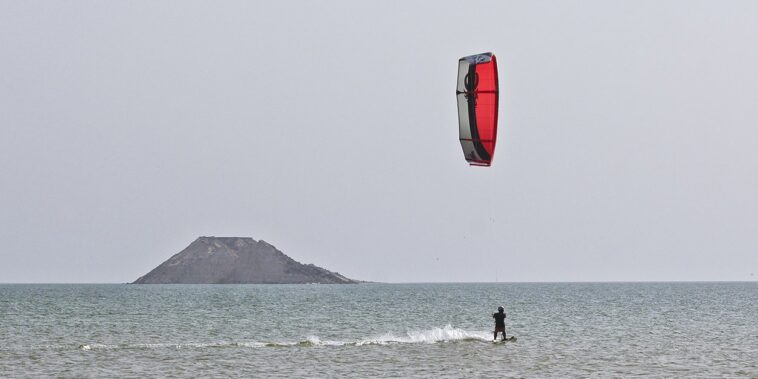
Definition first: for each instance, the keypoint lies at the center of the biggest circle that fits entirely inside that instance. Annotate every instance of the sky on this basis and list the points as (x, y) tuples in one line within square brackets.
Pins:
[(627, 146)]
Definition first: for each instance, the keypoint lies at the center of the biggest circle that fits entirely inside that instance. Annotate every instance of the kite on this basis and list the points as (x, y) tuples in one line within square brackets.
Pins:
[(477, 94)]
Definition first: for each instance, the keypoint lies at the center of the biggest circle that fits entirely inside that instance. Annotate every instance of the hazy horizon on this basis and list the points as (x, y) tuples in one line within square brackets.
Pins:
[(626, 147)]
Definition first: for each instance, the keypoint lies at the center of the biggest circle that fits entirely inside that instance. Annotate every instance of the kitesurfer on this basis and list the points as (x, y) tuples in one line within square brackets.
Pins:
[(499, 321)]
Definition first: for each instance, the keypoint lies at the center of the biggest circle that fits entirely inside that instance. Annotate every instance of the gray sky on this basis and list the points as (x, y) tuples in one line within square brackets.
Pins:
[(627, 142)]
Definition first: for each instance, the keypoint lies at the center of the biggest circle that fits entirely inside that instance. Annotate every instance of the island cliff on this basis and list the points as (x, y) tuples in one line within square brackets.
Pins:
[(221, 260)]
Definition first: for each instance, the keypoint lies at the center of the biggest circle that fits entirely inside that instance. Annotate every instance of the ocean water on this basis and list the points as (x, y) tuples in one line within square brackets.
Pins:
[(380, 330)]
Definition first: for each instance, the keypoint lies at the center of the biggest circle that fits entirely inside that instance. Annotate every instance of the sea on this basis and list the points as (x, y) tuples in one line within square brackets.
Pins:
[(562, 330)]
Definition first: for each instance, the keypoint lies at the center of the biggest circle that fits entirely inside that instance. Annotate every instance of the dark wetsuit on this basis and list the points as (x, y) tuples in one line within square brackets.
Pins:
[(499, 323)]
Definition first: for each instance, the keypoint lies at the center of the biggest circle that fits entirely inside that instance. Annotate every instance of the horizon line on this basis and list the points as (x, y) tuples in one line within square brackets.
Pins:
[(377, 282)]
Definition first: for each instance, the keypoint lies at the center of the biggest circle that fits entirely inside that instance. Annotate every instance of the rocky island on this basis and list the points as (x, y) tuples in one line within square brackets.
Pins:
[(226, 260)]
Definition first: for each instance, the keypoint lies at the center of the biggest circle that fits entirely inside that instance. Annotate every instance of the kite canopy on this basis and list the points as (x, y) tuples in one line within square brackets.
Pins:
[(477, 94)]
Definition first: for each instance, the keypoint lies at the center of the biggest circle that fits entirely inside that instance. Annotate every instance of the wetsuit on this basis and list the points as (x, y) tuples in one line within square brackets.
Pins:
[(499, 323)]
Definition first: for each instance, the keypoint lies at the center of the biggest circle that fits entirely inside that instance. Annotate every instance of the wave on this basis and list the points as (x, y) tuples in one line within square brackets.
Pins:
[(446, 334), (430, 336)]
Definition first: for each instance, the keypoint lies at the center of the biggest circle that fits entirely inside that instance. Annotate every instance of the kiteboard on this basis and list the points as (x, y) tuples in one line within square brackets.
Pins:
[(508, 339)]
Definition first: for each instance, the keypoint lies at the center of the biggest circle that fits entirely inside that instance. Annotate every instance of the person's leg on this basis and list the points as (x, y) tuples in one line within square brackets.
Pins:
[(495, 337)]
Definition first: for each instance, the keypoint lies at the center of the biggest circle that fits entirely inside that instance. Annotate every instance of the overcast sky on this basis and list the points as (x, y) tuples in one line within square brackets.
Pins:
[(627, 146)]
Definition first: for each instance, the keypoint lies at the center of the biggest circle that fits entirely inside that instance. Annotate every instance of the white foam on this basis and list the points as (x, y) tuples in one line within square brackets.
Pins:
[(314, 340), (249, 344), (429, 336), (446, 334), (96, 346)]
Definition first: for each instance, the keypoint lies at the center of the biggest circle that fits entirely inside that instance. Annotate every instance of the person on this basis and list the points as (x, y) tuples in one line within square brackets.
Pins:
[(499, 321)]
